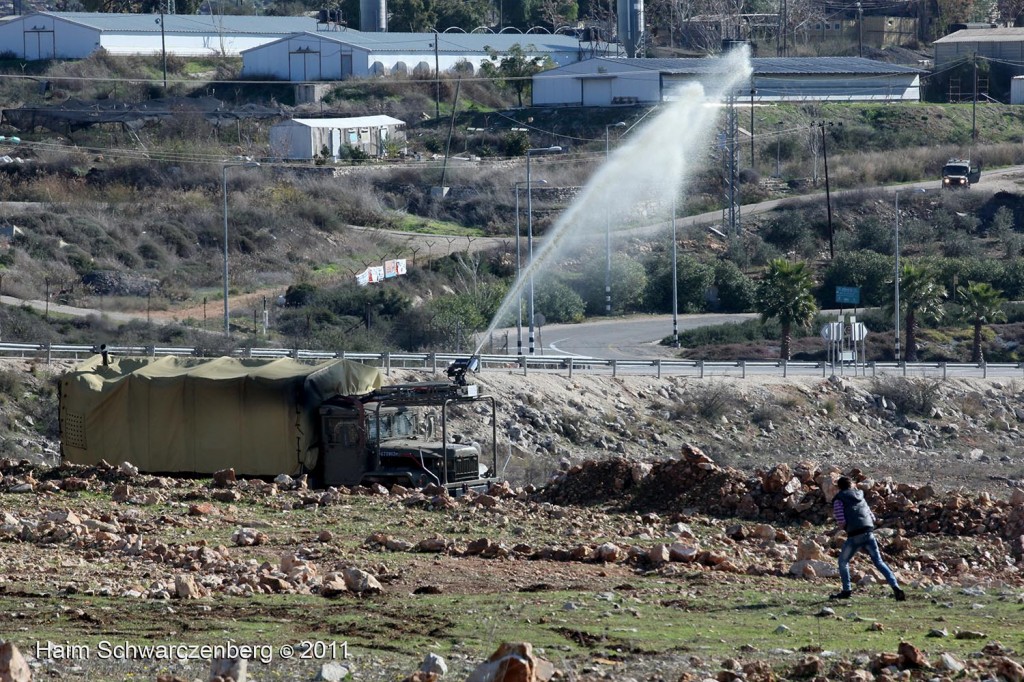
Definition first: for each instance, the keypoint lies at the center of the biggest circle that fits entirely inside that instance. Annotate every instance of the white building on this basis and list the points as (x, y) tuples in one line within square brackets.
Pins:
[(306, 138), (605, 81), (337, 55), (76, 35), (1004, 45)]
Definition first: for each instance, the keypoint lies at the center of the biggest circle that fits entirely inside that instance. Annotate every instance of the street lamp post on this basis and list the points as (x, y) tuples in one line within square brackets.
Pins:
[(896, 279), (224, 191), (519, 270), (675, 279), (529, 226), (608, 230)]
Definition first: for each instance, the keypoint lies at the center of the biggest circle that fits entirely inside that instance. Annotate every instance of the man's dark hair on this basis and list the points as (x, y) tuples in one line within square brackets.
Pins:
[(844, 483)]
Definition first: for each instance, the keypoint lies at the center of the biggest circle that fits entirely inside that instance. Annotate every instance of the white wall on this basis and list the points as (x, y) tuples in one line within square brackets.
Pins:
[(273, 60), (291, 141), (185, 45), (55, 39), (300, 58)]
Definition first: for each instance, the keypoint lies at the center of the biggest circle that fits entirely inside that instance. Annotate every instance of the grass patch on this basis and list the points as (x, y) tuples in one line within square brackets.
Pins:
[(419, 225)]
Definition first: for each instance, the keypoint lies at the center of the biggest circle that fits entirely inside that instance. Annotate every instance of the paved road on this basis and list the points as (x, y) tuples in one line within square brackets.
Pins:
[(635, 336)]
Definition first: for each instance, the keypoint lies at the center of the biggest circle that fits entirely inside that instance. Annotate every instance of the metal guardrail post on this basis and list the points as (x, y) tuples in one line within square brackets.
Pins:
[(658, 365), (433, 363), (743, 367), (824, 369), (48, 346), (943, 366), (700, 363), (903, 366), (571, 363), (984, 370), (387, 364), (785, 367), (615, 368), (524, 364)]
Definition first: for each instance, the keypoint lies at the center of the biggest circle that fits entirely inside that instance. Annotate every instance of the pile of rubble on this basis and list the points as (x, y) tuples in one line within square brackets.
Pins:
[(784, 494)]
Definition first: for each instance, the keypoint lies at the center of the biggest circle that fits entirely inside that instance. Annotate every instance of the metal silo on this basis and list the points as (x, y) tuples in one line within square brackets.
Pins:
[(631, 25), (373, 16)]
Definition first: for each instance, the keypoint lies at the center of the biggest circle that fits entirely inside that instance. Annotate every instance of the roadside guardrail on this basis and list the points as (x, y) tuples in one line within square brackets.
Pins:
[(567, 364)]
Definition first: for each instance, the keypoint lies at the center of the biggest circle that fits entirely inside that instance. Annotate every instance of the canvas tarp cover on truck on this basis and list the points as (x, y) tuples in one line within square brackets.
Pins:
[(192, 415)]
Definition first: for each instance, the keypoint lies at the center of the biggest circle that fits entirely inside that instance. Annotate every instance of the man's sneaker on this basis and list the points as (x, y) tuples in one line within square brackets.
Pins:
[(845, 594), (899, 594)]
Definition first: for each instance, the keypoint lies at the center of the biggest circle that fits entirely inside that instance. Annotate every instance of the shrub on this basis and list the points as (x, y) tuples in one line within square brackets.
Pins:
[(908, 396), (713, 400)]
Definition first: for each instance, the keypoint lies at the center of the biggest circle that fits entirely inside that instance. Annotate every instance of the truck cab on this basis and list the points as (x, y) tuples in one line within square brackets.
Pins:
[(383, 438), (959, 174)]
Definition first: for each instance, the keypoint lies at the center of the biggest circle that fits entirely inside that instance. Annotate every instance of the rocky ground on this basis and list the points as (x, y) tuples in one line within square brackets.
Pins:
[(649, 530)]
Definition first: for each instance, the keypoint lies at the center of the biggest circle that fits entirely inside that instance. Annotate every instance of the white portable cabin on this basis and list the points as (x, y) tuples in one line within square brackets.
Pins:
[(302, 139), (605, 81)]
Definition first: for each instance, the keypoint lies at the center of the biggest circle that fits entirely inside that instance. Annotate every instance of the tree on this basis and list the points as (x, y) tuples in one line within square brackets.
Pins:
[(513, 69), (629, 281), (693, 279), (557, 301), (921, 299), (981, 304), (785, 294), (736, 291), (556, 13)]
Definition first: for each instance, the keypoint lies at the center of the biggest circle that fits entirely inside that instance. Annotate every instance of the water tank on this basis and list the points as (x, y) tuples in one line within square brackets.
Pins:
[(373, 16), (631, 25)]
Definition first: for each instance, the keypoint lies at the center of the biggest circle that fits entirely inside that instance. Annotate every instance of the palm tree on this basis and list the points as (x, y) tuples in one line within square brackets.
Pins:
[(921, 299), (981, 304), (785, 293)]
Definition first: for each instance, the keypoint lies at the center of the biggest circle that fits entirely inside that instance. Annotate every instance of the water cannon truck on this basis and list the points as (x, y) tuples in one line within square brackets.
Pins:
[(335, 421)]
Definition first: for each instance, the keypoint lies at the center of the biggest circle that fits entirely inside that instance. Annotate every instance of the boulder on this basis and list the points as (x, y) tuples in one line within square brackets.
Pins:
[(361, 582), (13, 667), (235, 669), (513, 662), (185, 587)]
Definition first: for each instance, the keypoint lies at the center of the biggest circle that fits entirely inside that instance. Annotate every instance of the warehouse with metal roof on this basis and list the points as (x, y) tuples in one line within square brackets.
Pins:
[(1003, 44), (76, 35), (337, 55), (605, 81)]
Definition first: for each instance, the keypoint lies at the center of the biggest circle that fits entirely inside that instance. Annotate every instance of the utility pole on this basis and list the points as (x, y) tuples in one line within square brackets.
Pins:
[(860, 30), (753, 91), (732, 130), (828, 195), (437, 80), (163, 44), (608, 230), (974, 105)]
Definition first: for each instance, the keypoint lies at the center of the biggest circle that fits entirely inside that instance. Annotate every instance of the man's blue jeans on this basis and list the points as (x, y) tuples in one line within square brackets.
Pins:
[(867, 542)]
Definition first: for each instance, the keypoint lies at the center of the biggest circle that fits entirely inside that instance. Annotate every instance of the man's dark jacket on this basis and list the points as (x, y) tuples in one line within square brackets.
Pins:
[(859, 519)]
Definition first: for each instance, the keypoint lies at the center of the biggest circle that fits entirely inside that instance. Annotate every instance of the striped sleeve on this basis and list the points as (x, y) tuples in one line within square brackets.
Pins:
[(837, 511)]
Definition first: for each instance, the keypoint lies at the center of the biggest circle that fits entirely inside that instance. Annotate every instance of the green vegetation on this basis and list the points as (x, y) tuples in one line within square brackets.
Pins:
[(785, 294)]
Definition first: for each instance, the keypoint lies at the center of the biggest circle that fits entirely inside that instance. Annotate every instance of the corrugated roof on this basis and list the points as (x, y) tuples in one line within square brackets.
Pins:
[(768, 66), (353, 122), (186, 23), (281, 26), (984, 35), (457, 43)]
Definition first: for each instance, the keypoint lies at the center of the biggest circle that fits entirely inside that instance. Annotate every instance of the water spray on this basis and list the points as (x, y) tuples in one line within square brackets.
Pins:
[(640, 178)]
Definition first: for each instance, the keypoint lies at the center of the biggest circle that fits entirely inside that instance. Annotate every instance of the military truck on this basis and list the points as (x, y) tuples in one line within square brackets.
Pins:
[(335, 420), (960, 174), (385, 437)]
